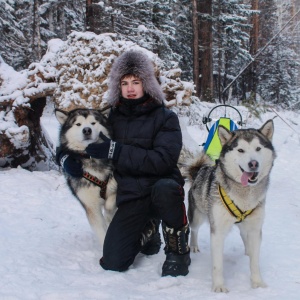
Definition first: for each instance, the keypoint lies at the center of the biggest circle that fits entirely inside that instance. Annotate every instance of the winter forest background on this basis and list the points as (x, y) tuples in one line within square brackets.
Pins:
[(205, 52), (212, 40), (240, 52)]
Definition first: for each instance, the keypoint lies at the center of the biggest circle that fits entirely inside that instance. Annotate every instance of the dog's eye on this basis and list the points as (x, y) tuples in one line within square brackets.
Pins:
[(93, 123), (241, 150), (78, 124), (258, 148)]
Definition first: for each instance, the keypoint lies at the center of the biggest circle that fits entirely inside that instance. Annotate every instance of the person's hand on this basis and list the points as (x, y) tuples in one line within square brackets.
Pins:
[(108, 149), (70, 164)]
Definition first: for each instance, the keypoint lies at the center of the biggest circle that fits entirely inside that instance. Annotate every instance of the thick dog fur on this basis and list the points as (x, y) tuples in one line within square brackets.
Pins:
[(243, 171), (79, 128)]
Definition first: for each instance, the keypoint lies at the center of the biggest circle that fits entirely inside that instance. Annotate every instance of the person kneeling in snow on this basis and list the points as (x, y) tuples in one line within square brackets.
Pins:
[(145, 148)]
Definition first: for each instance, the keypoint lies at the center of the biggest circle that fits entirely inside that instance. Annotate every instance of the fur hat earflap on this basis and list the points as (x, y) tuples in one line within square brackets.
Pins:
[(138, 64)]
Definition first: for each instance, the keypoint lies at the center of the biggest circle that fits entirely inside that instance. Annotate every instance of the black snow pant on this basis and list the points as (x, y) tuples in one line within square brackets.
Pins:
[(122, 241)]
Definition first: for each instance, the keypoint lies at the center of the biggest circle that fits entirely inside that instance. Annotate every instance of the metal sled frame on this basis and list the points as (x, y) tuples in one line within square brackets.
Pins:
[(212, 146)]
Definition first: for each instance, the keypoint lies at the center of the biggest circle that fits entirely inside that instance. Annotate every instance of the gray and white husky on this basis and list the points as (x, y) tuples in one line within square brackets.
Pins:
[(233, 190), (96, 191)]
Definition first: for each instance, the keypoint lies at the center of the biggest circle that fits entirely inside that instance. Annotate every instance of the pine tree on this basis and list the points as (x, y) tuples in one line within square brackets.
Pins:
[(27, 25), (13, 45), (163, 27), (182, 41), (231, 44), (164, 30), (277, 66)]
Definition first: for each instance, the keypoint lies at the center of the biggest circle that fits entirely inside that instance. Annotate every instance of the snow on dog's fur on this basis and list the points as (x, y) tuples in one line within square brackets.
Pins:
[(243, 171), (79, 128)]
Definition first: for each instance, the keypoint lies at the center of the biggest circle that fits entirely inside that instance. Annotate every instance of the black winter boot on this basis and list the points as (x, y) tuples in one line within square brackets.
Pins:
[(177, 251), (150, 239)]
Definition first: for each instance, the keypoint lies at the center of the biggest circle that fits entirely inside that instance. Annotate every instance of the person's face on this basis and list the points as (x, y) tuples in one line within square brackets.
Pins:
[(131, 87)]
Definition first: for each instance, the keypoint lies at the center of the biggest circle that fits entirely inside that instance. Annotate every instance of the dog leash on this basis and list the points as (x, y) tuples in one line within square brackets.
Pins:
[(232, 208), (101, 183)]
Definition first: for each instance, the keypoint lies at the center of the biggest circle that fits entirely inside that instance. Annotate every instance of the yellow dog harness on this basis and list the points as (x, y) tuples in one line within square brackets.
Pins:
[(232, 208)]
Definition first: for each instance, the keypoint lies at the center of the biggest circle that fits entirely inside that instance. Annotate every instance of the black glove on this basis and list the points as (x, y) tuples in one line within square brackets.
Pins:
[(108, 149), (69, 163)]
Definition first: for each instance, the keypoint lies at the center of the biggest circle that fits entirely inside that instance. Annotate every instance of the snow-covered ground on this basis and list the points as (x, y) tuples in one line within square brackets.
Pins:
[(48, 250)]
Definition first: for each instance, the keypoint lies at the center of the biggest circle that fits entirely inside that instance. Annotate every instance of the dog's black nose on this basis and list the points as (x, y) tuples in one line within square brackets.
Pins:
[(87, 131), (253, 164)]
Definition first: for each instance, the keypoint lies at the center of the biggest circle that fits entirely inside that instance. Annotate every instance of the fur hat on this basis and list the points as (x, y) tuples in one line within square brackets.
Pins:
[(138, 64)]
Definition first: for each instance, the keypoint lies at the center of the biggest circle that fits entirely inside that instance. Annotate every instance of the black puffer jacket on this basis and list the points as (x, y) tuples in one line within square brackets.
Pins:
[(152, 141)]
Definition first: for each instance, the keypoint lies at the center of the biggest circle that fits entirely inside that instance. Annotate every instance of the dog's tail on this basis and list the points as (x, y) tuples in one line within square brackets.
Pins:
[(195, 166)]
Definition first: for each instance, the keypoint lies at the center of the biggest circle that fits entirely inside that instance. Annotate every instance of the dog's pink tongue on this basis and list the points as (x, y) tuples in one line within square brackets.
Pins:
[(245, 177)]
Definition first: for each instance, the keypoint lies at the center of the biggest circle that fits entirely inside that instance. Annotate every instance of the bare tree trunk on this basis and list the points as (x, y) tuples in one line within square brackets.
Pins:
[(112, 17), (196, 71), (255, 29), (293, 12), (220, 56), (205, 8), (296, 32), (88, 14), (98, 20), (254, 34), (62, 20), (36, 36)]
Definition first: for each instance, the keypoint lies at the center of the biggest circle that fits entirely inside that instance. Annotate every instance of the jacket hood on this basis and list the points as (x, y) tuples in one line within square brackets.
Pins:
[(138, 64)]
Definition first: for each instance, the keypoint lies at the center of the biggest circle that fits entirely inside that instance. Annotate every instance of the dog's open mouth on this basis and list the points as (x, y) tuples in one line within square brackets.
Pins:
[(248, 177)]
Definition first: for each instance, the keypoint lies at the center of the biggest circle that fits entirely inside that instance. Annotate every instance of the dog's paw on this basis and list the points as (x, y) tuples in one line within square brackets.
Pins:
[(220, 289), (258, 284), (194, 249)]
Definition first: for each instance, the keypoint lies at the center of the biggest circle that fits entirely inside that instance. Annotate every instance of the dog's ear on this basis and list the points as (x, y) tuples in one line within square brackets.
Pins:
[(61, 116), (267, 129), (224, 134), (103, 119)]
